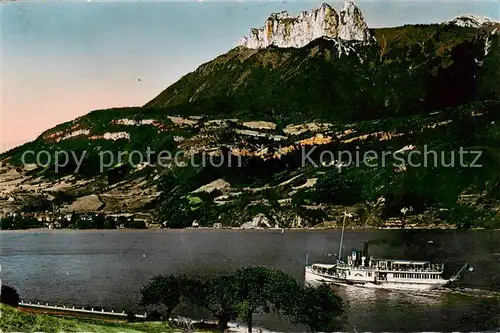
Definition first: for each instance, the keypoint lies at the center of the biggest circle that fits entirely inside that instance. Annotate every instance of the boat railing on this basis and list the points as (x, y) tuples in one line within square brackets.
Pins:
[(436, 270), (386, 269)]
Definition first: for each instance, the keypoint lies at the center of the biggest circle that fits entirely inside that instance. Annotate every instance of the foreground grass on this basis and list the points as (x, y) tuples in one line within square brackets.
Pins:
[(13, 320)]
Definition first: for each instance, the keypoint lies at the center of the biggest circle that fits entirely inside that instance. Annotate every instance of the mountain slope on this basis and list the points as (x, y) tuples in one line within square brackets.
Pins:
[(422, 67), (408, 88)]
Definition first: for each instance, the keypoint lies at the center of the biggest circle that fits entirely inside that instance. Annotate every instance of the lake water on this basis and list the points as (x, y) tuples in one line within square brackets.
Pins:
[(108, 268)]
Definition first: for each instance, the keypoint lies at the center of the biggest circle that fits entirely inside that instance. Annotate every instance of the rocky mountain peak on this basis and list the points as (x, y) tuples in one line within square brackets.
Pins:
[(352, 26), (471, 21), (284, 30)]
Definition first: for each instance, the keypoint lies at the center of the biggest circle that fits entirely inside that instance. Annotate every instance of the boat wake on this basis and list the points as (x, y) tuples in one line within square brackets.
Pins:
[(359, 291), (477, 292)]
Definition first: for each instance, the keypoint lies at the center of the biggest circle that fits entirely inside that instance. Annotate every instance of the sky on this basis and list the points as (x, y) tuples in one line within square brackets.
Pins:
[(61, 60)]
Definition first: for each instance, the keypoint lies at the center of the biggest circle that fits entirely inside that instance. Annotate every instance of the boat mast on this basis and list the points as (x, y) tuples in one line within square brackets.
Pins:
[(342, 238)]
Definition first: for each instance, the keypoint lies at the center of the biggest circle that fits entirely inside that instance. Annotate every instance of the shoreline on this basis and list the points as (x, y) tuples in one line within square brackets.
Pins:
[(280, 230)]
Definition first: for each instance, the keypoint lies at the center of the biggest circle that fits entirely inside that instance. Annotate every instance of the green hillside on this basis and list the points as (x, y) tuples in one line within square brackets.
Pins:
[(434, 87), (13, 320)]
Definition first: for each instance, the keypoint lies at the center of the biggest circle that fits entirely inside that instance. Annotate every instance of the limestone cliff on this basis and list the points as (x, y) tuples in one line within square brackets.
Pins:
[(284, 30), (471, 21)]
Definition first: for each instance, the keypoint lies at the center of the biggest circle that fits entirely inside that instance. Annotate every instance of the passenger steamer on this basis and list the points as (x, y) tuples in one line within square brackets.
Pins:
[(364, 270)]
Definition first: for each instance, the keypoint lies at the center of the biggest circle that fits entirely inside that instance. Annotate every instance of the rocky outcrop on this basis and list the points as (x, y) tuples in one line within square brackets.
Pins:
[(471, 21), (259, 221), (284, 30), (352, 25)]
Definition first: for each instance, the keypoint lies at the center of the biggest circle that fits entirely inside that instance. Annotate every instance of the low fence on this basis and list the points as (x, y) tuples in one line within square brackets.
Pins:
[(73, 309), (187, 324)]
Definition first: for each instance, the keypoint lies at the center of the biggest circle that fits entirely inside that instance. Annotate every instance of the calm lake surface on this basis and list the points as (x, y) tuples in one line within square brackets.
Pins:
[(108, 268)]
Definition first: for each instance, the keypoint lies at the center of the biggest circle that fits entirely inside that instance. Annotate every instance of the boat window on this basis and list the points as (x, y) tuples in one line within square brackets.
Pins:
[(369, 274)]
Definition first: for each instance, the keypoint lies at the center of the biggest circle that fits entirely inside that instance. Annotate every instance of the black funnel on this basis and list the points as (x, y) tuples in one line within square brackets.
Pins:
[(365, 250)]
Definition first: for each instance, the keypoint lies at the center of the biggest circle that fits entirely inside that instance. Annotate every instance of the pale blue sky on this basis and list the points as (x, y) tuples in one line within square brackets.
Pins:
[(63, 59)]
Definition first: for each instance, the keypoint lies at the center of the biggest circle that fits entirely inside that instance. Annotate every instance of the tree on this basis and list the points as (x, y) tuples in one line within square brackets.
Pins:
[(317, 307), (338, 188), (251, 284), (131, 318), (217, 294), (154, 316), (7, 223), (258, 287), (9, 296), (243, 293), (164, 290), (280, 289)]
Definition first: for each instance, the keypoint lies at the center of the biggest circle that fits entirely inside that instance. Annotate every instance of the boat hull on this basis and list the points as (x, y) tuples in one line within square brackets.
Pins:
[(312, 278)]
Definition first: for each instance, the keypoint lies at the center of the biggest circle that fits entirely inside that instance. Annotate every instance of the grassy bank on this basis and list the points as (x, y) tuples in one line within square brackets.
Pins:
[(14, 320)]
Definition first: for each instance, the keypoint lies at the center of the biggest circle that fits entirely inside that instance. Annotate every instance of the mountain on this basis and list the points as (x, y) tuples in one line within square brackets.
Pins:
[(284, 30), (471, 21), (291, 92)]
